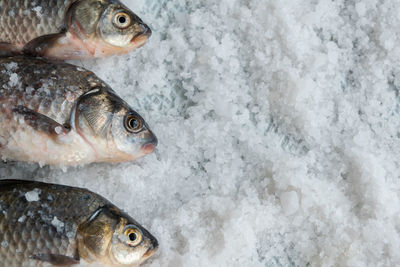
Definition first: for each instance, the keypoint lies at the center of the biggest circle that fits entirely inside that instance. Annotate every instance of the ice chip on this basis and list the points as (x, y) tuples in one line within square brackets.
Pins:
[(33, 195)]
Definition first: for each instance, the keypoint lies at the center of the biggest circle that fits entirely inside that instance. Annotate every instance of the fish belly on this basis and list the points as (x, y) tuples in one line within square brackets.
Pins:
[(21, 142)]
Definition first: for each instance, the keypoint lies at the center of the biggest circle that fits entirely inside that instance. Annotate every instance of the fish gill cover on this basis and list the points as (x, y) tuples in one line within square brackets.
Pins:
[(278, 126)]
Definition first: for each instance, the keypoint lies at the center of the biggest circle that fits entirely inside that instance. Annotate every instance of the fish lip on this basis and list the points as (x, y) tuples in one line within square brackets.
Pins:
[(148, 148), (146, 30), (142, 36), (150, 145), (151, 251)]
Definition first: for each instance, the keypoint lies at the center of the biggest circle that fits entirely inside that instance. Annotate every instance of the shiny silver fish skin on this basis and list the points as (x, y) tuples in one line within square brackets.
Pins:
[(67, 29), (60, 114), (42, 224)]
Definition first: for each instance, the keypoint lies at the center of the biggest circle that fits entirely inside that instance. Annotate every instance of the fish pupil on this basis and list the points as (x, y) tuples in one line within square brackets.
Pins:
[(132, 236), (122, 19), (133, 123)]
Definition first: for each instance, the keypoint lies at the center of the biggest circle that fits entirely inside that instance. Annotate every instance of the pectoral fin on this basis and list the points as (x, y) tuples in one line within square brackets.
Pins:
[(58, 260), (39, 45), (41, 122), (59, 46), (7, 50)]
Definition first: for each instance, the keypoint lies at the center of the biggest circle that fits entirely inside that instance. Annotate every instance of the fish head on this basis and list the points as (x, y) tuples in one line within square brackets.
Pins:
[(114, 130), (132, 244), (120, 27), (114, 238), (107, 25)]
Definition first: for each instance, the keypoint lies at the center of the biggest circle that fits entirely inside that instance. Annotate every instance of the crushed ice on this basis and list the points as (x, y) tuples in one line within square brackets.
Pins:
[(58, 224), (33, 195), (278, 127)]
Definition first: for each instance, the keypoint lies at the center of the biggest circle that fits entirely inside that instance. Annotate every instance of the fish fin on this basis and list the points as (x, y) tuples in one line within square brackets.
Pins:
[(54, 259), (41, 44), (7, 49), (41, 122), (57, 46)]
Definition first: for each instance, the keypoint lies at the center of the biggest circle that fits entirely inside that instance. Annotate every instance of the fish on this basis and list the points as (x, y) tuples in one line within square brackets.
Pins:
[(55, 113), (69, 29), (43, 223)]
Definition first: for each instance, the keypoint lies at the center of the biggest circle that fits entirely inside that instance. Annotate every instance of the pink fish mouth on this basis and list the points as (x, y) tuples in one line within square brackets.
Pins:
[(141, 38), (148, 148), (149, 253), (139, 41)]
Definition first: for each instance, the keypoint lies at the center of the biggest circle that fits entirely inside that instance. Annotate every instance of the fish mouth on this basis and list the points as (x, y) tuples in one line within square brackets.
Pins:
[(141, 38), (148, 148), (152, 247), (150, 145), (150, 252), (146, 31)]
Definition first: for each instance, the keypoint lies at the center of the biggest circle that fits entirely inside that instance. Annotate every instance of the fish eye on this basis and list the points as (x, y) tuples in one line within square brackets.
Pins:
[(122, 20), (133, 124), (134, 237)]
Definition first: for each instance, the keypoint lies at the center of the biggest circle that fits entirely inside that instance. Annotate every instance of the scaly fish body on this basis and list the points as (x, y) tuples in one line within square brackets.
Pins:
[(22, 21), (43, 224), (56, 113), (69, 29)]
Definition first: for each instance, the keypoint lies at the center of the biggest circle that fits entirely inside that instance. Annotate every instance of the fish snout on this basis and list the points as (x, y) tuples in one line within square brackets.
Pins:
[(146, 30), (150, 145), (152, 248), (154, 243), (144, 33), (141, 28)]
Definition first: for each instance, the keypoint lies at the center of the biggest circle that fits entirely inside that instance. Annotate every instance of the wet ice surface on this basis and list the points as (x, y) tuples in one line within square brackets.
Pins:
[(278, 126)]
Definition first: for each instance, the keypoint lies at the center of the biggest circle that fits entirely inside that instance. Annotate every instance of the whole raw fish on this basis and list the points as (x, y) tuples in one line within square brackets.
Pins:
[(42, 224), (60, 114), (69, 29)]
